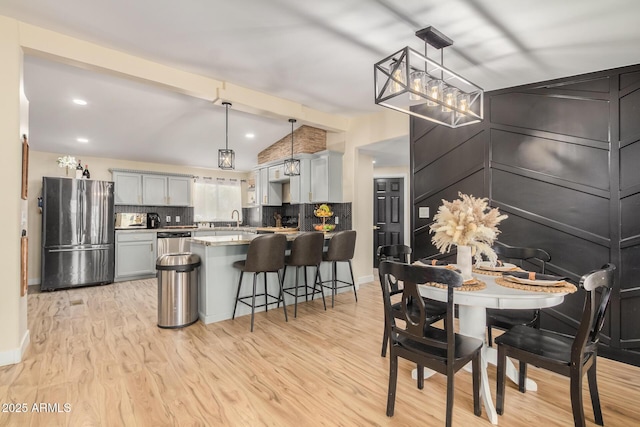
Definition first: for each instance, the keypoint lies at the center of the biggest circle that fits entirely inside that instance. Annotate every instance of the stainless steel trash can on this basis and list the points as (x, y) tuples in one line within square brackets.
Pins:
[(177, 289)]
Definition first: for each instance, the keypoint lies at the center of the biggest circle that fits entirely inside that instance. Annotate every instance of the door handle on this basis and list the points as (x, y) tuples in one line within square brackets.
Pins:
[(78, 249), (375, 227)]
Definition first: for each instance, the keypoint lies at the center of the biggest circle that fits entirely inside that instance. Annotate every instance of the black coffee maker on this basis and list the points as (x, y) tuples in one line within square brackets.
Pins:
[(153, 220)]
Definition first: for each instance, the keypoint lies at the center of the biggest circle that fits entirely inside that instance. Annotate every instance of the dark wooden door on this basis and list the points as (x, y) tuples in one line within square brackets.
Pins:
[(388, 213)]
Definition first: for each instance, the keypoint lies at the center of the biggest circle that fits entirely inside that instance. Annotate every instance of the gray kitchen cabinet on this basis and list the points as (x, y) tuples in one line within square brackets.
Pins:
[(127, 188), (151, 189), (179, 191), (135, 255), (154, 190), (326, 177), (270, 192), (276, 173), (300, 185)]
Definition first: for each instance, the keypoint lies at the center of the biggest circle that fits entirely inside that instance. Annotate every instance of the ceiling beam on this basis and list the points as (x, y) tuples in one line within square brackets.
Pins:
[(49, 44)]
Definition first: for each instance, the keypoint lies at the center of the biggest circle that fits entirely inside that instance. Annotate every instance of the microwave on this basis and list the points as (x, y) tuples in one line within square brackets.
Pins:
[(126, 220)]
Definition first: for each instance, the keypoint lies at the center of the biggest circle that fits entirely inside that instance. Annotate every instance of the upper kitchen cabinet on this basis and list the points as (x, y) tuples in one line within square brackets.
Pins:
[(270, 193), (300, 185), (154, 190), (276, 173), (326, 177), (150, 189), (128, 188), (179, 189)]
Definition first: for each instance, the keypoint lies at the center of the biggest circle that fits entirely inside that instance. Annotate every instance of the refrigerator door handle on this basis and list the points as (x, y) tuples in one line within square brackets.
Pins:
[(79, 249)]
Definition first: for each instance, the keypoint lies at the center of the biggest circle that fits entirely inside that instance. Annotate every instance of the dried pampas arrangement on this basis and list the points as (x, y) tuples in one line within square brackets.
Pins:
[(467, 221)]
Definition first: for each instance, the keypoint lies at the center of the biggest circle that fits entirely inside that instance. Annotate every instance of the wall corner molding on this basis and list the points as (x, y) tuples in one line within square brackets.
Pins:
[(11, 357)]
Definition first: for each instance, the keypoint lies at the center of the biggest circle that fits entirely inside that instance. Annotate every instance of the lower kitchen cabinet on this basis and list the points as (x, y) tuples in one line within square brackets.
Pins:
[(135, 255)]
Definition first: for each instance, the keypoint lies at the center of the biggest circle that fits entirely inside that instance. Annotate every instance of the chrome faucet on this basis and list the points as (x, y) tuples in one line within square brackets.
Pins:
[(238, 220)]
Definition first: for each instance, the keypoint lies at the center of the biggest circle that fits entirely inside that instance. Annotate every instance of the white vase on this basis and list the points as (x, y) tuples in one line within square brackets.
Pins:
[(465, 262)]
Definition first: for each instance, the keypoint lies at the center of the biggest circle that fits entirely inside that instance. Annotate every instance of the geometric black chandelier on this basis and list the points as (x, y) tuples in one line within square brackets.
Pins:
[(412, 83), (291, 165), (226, 157)]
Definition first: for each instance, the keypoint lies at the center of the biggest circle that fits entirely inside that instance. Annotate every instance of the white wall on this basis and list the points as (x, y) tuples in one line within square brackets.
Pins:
[(45, 164), (358, 175), (13, 313)]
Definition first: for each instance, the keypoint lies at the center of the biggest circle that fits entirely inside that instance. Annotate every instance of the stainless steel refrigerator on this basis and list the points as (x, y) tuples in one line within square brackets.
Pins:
[(77, 233)]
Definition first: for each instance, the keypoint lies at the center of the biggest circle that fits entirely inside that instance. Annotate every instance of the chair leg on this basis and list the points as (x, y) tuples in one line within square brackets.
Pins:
[(393, 380), (450, 379), (318, 281), (353, 282), (477, 409), (295, 303), (253, 299), (385, 339), (266, 306), (334, 283), (284, 304), (237, 295), (576, 397), (306, 284), (420, 376), (284, 272), (502, 364), (489, 337), (593, 391), (522, 377)]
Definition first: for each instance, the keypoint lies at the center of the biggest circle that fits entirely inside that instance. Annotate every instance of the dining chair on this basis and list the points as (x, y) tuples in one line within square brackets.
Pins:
[(401, 253), (418, 341), (507, 319), (568, 356)]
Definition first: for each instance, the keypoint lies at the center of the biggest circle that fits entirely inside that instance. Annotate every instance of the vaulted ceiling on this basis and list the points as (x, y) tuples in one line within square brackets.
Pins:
[(319, 54)]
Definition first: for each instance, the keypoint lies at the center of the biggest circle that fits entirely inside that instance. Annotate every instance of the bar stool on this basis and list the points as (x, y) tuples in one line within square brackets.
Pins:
[(306, 251), (341, 248), (265, 255)]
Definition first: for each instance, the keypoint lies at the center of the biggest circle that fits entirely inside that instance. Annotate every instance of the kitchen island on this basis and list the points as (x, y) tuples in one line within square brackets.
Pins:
[(219, 280)]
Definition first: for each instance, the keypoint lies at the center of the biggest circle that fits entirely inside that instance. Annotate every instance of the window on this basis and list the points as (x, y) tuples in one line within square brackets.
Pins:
[(216, 198)]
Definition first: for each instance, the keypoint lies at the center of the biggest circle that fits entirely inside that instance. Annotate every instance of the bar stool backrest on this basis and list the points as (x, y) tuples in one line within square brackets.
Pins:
[(266, 253), (306, 249), (342, 246)]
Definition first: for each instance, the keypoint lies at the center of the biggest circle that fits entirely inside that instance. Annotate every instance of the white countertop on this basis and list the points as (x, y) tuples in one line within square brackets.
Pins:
[(192, 229), (239, 239)]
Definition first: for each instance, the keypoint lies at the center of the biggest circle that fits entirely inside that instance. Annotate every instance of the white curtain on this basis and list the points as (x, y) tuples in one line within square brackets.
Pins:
[(216, 198)]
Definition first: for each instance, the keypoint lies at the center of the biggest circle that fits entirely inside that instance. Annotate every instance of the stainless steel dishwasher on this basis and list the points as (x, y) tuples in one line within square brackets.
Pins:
[(171, 242)]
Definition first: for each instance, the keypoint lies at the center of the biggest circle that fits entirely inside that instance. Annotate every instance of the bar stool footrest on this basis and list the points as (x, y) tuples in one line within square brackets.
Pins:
[(267, 302)]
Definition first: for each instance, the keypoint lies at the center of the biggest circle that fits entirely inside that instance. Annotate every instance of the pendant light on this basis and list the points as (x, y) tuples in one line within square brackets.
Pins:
[(412, 83), (226, 157), (292, 166)]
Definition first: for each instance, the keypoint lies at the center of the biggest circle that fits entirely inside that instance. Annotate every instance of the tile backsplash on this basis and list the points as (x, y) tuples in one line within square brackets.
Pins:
[(255, 216), (184, 212), (264, 216)]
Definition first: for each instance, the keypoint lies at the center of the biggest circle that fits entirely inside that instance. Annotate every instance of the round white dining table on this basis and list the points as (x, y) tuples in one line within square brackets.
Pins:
[(472, 316)]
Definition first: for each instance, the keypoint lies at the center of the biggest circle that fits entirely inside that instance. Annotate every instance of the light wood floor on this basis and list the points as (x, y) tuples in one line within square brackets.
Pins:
[(99, 350)]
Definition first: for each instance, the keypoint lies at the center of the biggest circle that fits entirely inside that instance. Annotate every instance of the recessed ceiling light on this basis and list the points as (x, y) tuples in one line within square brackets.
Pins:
[(83, 140), (374, 162), (250, 135), (80, 101)]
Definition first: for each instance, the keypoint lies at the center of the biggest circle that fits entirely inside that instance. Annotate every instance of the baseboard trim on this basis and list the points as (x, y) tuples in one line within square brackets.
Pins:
[(33, 282), (363, 280), (11, 357)]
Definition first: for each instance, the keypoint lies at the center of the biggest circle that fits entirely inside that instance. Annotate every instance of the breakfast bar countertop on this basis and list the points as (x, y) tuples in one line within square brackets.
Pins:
[(239, 239)]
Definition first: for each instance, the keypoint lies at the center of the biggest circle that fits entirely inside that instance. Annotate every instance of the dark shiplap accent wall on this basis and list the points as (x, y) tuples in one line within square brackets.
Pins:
[(561, 159)]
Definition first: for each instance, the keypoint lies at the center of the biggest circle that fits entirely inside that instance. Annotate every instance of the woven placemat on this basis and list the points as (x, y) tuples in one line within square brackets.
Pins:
[(567, 287), (476, 285), (493, 273)]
